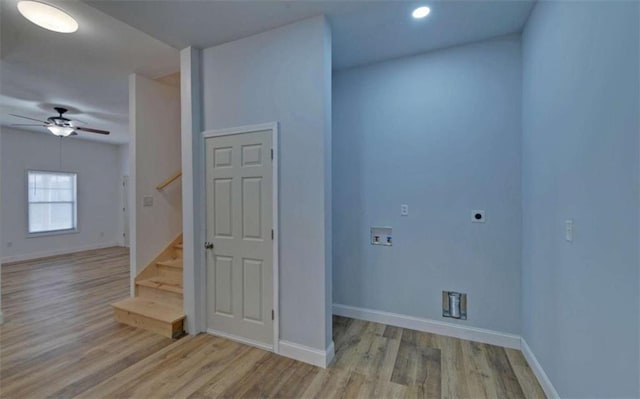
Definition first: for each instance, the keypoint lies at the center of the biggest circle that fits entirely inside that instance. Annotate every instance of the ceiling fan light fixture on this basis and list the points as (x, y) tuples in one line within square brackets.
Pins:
[(60, 131), (47, 16)]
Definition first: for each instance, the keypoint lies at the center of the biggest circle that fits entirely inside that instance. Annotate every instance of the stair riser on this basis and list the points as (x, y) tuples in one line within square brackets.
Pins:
[(170, 298), (168, 330), (171, 273)]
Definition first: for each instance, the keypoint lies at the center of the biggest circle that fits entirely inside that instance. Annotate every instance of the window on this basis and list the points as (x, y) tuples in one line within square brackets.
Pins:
[(52, 202)]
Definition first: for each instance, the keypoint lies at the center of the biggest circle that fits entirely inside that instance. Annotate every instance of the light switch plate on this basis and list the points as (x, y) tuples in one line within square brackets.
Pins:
[(147, 200)]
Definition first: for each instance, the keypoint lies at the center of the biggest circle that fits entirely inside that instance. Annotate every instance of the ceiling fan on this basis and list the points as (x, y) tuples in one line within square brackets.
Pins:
[(59, 125)]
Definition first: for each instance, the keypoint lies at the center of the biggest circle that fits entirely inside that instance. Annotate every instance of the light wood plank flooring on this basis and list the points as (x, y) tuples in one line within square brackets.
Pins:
[(60, 341)]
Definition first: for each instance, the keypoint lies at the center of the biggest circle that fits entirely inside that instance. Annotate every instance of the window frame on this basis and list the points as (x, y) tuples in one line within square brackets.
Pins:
[(72, 230)]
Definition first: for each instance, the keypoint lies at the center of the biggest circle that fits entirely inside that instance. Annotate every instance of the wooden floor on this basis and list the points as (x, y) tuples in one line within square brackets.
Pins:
[(60, 341)]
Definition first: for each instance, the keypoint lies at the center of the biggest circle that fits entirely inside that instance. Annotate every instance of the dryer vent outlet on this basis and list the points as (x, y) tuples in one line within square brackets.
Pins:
[(454, 305)]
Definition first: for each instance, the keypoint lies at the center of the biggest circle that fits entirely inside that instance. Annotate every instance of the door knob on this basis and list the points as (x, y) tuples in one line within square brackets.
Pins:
[(208, 245)]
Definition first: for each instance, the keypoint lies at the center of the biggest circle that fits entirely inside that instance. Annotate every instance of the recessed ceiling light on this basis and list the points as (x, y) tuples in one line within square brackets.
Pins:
[(421, 12), (47, 16)]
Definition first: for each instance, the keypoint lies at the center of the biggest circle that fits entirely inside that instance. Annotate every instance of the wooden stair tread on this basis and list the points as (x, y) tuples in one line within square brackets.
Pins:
[(162, 284), (177, 263), (151, 309), (158, 304)]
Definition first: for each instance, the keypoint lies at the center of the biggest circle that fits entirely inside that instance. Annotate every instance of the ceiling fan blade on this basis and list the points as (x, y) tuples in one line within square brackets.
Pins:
[(26, 117), (89, 130), (27, 124)]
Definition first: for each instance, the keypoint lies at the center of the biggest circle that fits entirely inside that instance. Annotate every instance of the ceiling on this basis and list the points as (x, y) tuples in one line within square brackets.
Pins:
[(86, 71), (362, 31)]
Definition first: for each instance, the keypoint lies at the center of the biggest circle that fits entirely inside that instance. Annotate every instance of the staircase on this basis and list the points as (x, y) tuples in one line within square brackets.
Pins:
[(157, 304)]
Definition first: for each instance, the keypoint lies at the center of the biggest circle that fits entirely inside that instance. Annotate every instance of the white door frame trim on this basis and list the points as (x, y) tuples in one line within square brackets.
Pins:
[(207, 134)]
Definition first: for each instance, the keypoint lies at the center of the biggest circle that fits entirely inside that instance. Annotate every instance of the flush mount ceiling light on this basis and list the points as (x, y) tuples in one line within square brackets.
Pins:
[(47, 16), (421, 12)]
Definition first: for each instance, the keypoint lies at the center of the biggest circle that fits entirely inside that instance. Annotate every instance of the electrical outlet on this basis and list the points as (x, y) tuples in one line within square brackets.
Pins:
[(568, 230), (404, 210)]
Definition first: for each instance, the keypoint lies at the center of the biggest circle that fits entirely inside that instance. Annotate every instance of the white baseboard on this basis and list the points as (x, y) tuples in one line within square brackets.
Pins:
[(431, 326), (542, 377), (320, 358), (288, 349), (55, 252), (241, 340)]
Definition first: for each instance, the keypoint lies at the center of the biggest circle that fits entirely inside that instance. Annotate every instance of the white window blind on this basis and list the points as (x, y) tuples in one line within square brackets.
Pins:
[(52, 201)]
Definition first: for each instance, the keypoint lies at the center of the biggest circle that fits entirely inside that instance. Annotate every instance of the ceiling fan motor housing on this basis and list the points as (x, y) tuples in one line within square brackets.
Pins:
[(59, 120)]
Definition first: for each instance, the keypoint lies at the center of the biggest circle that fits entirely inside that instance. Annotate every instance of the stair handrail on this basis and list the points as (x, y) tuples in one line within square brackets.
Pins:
[(170, 180)]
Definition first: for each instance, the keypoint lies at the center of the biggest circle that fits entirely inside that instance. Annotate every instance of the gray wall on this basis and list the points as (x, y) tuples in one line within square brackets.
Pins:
[(283, 75), (580, 162), (328, 183), (1, 240), (99, 192), (439, 132)]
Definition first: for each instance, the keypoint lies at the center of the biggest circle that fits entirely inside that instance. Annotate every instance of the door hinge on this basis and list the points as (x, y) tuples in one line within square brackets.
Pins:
[(273, 314), (272, 235), (272, 154)]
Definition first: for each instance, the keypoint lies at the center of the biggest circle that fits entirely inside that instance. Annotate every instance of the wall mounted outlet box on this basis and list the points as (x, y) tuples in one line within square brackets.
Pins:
[(382, 236), (477, 216), (454, 305), (404, 210)]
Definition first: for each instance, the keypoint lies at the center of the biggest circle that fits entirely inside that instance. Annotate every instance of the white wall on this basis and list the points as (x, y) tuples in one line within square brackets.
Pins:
[(441, 133), (580, 161), (123, 154), (123, 161), (192, 173), (283, 75), (1, 241), (98, 192), (154, 156)]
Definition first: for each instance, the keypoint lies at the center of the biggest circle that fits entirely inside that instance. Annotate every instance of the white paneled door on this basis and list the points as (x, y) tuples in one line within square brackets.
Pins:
[(239, 184)]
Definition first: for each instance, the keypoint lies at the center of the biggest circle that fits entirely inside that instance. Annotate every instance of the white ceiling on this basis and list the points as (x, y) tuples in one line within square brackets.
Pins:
[(86, 71), (363, 31)]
